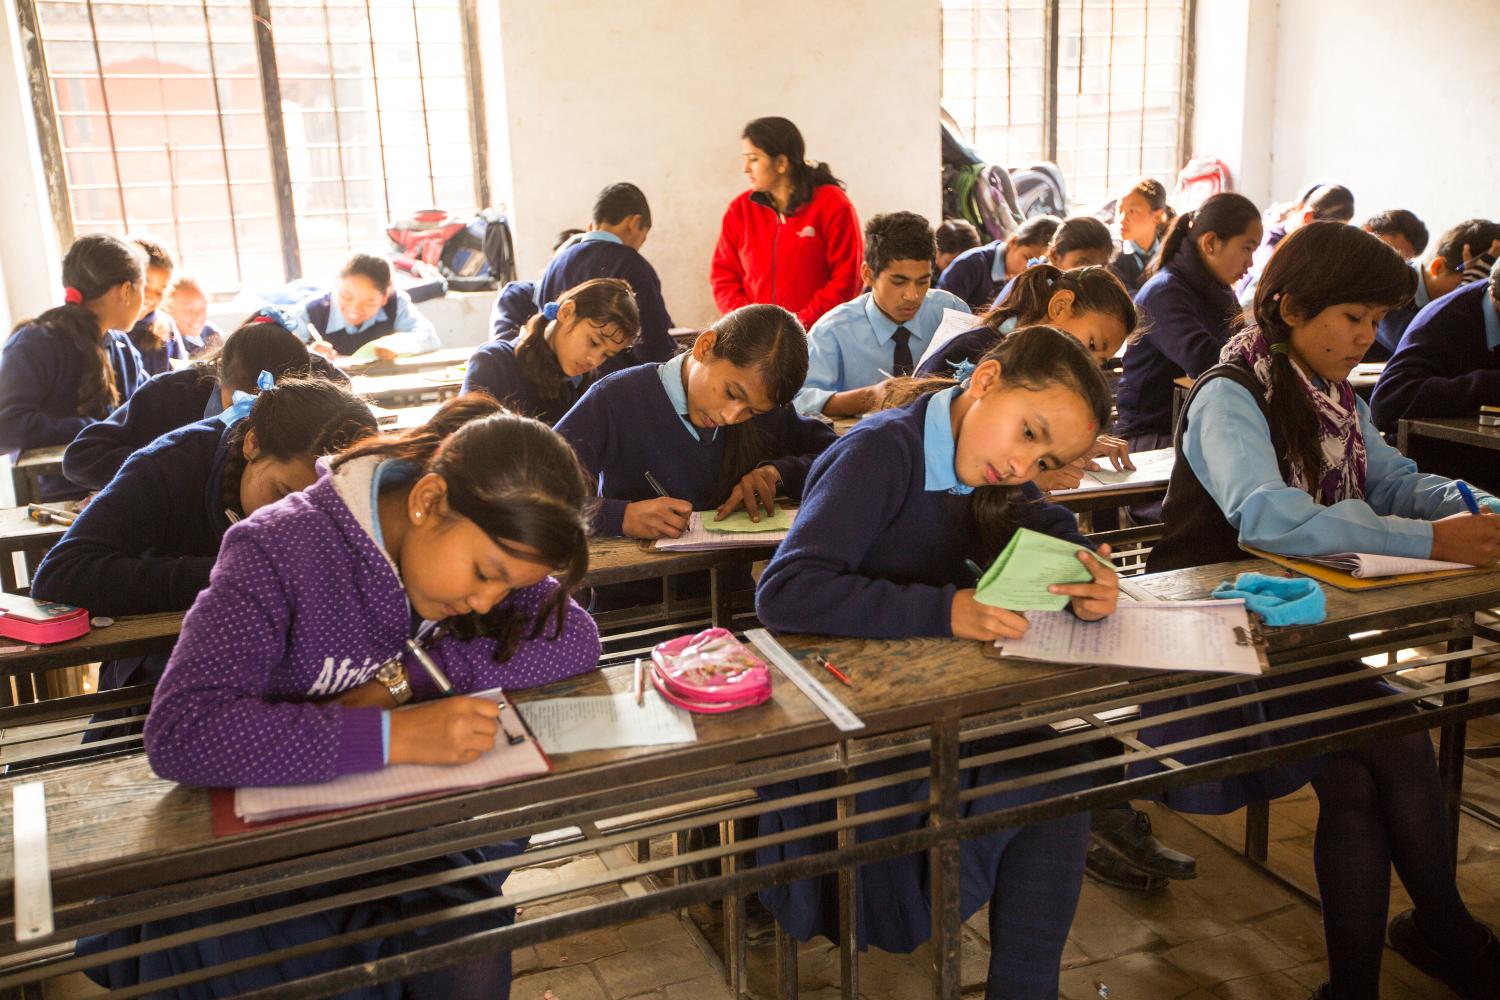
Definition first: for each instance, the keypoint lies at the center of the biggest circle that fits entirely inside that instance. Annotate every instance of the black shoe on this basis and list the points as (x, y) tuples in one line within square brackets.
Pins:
[(1475, 976), (1106, 866), (1130, 839)]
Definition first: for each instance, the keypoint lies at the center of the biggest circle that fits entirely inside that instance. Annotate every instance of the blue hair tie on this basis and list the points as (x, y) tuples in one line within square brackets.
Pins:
[(276, 315), (1033, 262), (962, 370), (550, 310), (241, 401)]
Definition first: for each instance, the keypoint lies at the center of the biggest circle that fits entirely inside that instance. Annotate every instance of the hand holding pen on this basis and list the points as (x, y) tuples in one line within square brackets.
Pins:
[(664, 517), (1472, 539), (444, 685)]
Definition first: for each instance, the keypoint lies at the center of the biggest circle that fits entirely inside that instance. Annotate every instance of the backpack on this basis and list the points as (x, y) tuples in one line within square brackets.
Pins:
[(1040, 190), (481, 255), (1203, 176)]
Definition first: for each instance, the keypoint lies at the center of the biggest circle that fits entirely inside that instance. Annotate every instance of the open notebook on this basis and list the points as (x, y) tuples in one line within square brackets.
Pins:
[(699, 538), (954, 323), (1207, 636), (1366, 565), (1152, 468), (502, 764)]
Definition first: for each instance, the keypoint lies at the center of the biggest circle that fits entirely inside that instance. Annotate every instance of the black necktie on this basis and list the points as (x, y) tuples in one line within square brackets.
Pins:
[(901, 362)]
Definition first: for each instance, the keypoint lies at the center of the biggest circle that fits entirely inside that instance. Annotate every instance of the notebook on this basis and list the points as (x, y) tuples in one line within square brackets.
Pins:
[(1399, 571), (1206, 636), (503, 764), (602, 722), (1152, 468), (698, 537), (955, 322), (740, 521), (1030, 563)]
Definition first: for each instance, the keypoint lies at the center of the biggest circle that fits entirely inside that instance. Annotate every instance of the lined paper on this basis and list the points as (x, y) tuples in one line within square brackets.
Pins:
[(1172, 635), (954, 322), (698, 538), (1151, 468), (1364, 565), (603, 722)]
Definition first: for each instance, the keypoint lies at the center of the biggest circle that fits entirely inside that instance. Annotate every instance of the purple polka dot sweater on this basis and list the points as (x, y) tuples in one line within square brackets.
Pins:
[(302, 604)]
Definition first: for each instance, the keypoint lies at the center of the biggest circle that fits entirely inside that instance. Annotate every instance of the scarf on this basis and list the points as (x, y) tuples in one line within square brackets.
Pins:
[(1341, 476)]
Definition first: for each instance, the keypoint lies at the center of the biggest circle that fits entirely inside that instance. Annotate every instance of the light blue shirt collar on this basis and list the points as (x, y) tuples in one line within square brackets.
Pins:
[(1491, 319), (1150, 252), (1422, 297), (337, 322), (671, 380), (600, 236), (938, 445), (997, 267), (884, 327)]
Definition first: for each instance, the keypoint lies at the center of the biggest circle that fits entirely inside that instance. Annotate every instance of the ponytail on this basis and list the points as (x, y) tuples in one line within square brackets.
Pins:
[(1225, 214), (603, 301), (1095, 289)]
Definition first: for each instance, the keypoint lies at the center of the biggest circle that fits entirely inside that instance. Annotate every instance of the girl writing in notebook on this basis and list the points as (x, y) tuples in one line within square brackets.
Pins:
[(890, 516), (461, 521), (545, 370), (175, 399), (1275, 450)]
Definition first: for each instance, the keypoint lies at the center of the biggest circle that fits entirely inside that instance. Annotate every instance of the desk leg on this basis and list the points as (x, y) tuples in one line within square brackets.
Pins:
[(848, 910), (786, 964), (1403, 436), (9, 580), (734, 917), (717, 615), (943, 860), (1451, 743), (1257, 831)]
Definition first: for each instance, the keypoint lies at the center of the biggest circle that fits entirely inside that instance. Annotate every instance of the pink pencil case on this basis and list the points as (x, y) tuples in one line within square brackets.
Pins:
[(709, 672), (40, 622)]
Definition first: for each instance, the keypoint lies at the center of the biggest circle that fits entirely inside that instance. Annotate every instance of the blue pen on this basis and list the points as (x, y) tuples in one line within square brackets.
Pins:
[(1468, 495)]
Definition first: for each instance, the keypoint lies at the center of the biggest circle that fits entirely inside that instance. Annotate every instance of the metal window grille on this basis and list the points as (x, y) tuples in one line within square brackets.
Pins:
[(1095, 85), (260, 139)]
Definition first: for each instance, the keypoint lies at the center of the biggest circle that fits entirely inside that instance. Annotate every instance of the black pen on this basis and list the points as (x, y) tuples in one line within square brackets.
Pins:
[(974, 568), (651, 480)]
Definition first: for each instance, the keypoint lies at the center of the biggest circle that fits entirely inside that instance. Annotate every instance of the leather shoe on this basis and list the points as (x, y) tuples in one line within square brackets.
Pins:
[(1475, 976), (1103, 865), (1127, 833)]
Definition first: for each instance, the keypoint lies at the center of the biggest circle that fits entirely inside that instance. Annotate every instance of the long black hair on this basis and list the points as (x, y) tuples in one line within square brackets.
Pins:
[(1225, 214), (1095, 289), (605, 301), (779, 137), (1319, 265), (519, 482), (93, 265)]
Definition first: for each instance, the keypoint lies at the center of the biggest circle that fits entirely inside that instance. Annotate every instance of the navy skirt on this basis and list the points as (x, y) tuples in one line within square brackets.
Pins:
[(306, 930), (1228, 794), (893, 896)]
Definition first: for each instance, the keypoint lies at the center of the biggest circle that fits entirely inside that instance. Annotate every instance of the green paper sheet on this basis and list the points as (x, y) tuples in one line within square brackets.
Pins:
[(1029, 564), (740, 521)]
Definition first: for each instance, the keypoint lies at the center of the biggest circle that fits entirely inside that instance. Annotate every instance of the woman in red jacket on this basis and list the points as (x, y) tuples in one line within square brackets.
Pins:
[(792, 239)]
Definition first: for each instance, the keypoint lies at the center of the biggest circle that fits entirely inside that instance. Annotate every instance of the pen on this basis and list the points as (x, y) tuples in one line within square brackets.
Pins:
[(835, 671), (640, 691), (885, 373), (1468, 495), (651, 480), (444, 685), (974, 568)]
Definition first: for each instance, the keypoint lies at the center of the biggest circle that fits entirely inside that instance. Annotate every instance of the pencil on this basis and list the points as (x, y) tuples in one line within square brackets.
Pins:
[(640, 689), (430, 665), (835, 671)]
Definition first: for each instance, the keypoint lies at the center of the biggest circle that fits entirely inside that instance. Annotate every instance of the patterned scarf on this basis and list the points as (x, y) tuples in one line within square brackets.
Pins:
[(1342, 473)]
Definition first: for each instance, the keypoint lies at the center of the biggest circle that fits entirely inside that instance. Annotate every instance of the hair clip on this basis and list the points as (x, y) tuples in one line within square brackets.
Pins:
[(72, 296), (962, 370), (241, 401), (550, 310)]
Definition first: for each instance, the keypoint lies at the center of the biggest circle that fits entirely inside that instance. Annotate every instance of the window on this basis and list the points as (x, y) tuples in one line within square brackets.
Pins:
[(260, 139), (1095, 85)]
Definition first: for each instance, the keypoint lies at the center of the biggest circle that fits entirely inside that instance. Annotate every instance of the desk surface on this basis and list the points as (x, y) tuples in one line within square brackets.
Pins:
[(426, 361), (19, 532), (403, 384), (1464, 430)]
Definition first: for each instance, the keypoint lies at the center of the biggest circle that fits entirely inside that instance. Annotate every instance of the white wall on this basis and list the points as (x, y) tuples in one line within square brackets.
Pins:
[(1398, 99), (656, 91)]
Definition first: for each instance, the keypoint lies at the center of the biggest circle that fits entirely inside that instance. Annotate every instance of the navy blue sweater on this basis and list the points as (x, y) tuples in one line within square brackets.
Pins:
[(969, 346), (515, 304), (873, 553), (494, 369), (345, 341), (625, 426), (587, 259), (146, 543), (155, 360), (39, 376), (968, 275), (1186, 315), (163, 403)]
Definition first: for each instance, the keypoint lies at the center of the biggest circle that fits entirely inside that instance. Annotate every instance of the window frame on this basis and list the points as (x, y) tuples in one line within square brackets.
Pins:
[(54, 164)]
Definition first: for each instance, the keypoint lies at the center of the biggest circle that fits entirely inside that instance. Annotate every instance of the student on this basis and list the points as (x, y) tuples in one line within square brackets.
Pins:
[(187, 306), (561, 351), (1446, 270), (977, 275), (1400, 230), (1187, 305), (459, 521), (364, 308), (611, 249), (792, 239), (954, 236), (1319, 202), (1448, 365), (516, 302), (1144, 215), (175, 399), (155, 335), (146, 543), (889, 517), (70, 366), (859, 346), (713, 426), (1275, 450)]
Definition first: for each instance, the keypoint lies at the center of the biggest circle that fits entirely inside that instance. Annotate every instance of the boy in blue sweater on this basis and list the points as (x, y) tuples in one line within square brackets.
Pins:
[(857, 348), (1439, 275), (977, 275), (612, 249)]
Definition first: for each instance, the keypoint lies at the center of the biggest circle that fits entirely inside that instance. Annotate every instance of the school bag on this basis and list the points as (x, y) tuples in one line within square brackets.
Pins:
[(1040, 190), (1202, 177), (481, 255)]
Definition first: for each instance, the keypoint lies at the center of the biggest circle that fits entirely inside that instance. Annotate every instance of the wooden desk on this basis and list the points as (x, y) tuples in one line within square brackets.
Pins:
[(1461, 430), (29, 468), (19, 533), (408, 388), (426, 361)]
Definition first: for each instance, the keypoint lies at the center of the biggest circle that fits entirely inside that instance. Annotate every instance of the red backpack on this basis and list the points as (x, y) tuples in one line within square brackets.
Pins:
[(1203, 176)]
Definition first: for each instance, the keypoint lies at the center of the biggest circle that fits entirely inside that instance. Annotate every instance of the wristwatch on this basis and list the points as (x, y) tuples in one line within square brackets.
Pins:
[(392, 674)]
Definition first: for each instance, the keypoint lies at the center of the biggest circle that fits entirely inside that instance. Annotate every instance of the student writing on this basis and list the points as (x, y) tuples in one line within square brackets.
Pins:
[(977, 275), (1437, 276), (364, 308)]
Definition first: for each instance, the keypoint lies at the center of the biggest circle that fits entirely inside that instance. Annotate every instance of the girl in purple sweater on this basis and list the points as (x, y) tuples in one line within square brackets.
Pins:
[(461, 521)]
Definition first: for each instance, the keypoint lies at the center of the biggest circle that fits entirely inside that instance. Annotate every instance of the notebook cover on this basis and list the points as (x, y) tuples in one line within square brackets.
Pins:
[(1348, 581)]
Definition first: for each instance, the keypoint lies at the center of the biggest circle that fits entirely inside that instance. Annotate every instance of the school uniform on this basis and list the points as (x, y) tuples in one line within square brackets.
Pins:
[(878, 550), (306, 603), (494, 369), (157, 355), (1131, 262), (39, 374), (976, 275), (806, 261), (1245, 291), (163, 403), (599, 254), (209, 339), (853, 344), (1448, 365), (397, 316), (1231, 485), (1393, 325), (1186, 318), (147, 542), (515, 304), (964, 350)]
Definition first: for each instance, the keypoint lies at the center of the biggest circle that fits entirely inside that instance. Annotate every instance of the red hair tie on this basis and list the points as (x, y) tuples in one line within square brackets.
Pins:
[(72, 296)]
